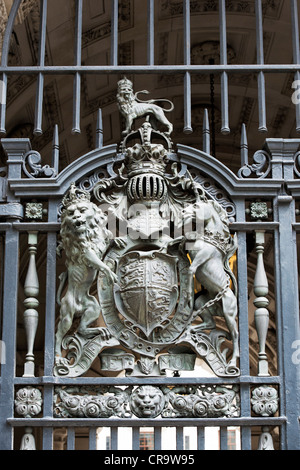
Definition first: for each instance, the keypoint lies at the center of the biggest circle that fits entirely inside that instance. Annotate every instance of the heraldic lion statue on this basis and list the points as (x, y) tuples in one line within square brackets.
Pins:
[(85, 239), (132, 108)]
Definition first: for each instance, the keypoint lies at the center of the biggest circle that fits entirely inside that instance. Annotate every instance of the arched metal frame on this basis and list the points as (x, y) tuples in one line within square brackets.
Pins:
[(281, 188)]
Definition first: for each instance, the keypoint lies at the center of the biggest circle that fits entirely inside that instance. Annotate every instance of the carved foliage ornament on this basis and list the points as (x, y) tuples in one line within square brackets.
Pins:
[(168, 233), (146, 401)]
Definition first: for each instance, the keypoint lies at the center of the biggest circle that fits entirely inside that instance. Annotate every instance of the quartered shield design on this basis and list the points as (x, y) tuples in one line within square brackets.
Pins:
[(148, 288)]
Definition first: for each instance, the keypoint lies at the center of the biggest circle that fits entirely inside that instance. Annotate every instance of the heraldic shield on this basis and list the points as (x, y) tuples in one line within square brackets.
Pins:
[(148, 289)]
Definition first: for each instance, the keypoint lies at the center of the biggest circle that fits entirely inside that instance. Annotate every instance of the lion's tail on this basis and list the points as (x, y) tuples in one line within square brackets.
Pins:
[(63, 278), (166, 101), (229, 254)]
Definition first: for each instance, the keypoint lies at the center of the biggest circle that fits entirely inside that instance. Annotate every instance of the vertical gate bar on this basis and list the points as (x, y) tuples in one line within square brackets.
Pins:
[(151, 32), (286, 277), (246, 438), (50, 323), (206, 133), (223, 438), (243, 322), (114, 438), (9, 326), (77, 77), (223, 61), (179, 438), (135, 438), (187, 104), (224, 104), (244, 147), (260, 61), (93, 438), (245, 411), (200, 438), (279, 328), (2, 236), (187, 32), (55, 149), (296, 52), (187, 60), (243, 290), (157, 438), (39, 105), (114, 32), (3, 103), (4, 60), (71, 439), (41, 62), (47, 438), (76, 103), (78, 32), (99, 130), (50, 304), (295, 31), (262, 102)]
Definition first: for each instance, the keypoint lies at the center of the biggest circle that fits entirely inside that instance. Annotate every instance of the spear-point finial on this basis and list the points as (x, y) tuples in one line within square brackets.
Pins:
[(244, 146)]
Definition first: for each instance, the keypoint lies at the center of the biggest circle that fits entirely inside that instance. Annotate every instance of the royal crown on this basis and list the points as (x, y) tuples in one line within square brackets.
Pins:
[(125, 85), (75, 195)]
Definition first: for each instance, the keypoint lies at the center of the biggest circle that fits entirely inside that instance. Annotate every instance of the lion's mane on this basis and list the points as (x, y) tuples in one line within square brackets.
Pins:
[(96, 237)]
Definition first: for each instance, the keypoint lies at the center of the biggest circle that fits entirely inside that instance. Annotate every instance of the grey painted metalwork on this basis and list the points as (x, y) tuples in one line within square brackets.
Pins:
[(42, 401)]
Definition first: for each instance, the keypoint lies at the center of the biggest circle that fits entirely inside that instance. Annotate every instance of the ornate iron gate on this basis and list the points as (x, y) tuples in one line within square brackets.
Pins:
[(171, 263)]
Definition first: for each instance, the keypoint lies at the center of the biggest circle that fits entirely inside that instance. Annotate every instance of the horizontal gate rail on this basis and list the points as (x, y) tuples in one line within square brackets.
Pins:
[(169, 381), (95, 422), (120, 69)]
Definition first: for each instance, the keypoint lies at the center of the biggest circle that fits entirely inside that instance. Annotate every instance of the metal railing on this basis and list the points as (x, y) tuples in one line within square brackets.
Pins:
[(273, 180), (187, 69)]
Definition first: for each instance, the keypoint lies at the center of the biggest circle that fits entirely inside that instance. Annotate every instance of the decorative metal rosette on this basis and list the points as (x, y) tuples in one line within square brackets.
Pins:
[(264, 400), (28, 402)]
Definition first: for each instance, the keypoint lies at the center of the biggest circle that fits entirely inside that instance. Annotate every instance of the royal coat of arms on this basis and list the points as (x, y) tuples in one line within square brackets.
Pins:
[(171, 236)]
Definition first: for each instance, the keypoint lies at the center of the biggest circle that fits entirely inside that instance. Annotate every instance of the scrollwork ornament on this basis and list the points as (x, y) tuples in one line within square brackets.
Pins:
[(203, 402), (264, 400), (147, 401), (28, 402), (81, 402), (297, 164), (261, 166), (33, 159)]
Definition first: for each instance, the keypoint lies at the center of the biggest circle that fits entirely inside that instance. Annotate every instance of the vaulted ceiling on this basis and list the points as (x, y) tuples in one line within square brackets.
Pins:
[(100, 90)]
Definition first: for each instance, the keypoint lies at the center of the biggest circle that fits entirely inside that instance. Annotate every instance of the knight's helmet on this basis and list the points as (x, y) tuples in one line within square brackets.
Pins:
[(146, 164)]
